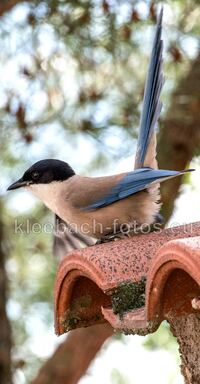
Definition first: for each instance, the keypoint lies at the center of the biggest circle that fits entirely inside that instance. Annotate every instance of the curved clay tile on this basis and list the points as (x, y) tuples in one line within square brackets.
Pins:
[(107, 282), (174, 279)]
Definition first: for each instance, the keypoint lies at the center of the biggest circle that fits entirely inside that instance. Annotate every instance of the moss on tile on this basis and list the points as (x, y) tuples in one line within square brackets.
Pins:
[(128, 295), (70, 320)]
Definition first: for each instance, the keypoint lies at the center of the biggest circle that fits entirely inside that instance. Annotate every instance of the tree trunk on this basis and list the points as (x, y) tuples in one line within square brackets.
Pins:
[(187, 331), (5, 331), (179, 136)]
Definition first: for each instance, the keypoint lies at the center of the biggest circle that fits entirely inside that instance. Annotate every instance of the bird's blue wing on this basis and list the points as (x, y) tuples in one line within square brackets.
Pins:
[(151, 103), (132, 183)]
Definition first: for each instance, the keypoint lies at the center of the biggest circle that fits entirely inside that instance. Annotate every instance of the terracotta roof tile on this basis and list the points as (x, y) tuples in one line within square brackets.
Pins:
[(107, 282)]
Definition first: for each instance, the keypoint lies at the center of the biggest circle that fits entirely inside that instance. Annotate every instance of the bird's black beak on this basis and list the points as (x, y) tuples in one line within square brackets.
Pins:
[(18, 184)]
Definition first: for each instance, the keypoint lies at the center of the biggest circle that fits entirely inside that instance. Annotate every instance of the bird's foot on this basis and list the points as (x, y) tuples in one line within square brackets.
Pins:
[(114, 237)]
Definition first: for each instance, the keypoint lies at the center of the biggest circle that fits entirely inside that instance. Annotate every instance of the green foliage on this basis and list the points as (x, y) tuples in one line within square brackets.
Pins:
[(118, 378)]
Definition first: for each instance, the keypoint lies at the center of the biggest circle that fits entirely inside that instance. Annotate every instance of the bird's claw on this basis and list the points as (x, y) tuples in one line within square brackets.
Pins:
[(114, 237)]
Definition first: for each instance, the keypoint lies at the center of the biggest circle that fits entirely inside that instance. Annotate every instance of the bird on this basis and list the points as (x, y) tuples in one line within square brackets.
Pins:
[(99, 209)]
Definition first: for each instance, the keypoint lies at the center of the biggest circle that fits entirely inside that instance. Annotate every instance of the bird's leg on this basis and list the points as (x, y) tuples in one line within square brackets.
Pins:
[(113, 237)]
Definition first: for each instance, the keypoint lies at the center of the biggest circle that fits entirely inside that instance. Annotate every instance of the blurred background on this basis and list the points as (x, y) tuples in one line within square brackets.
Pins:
[(71, 86)]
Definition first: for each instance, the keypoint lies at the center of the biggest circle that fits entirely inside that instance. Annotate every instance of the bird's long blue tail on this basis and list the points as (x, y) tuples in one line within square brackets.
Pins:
[(146, 148)]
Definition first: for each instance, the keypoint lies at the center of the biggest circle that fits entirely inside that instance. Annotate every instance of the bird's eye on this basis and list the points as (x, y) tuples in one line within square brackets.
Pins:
[(35, 175)]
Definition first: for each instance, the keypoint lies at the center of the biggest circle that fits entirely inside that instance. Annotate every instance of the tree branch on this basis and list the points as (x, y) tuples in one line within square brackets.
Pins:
[(72, 358), (7, 5)]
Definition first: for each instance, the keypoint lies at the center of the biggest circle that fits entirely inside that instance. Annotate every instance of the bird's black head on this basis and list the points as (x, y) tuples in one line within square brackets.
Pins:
[(44, 172)]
